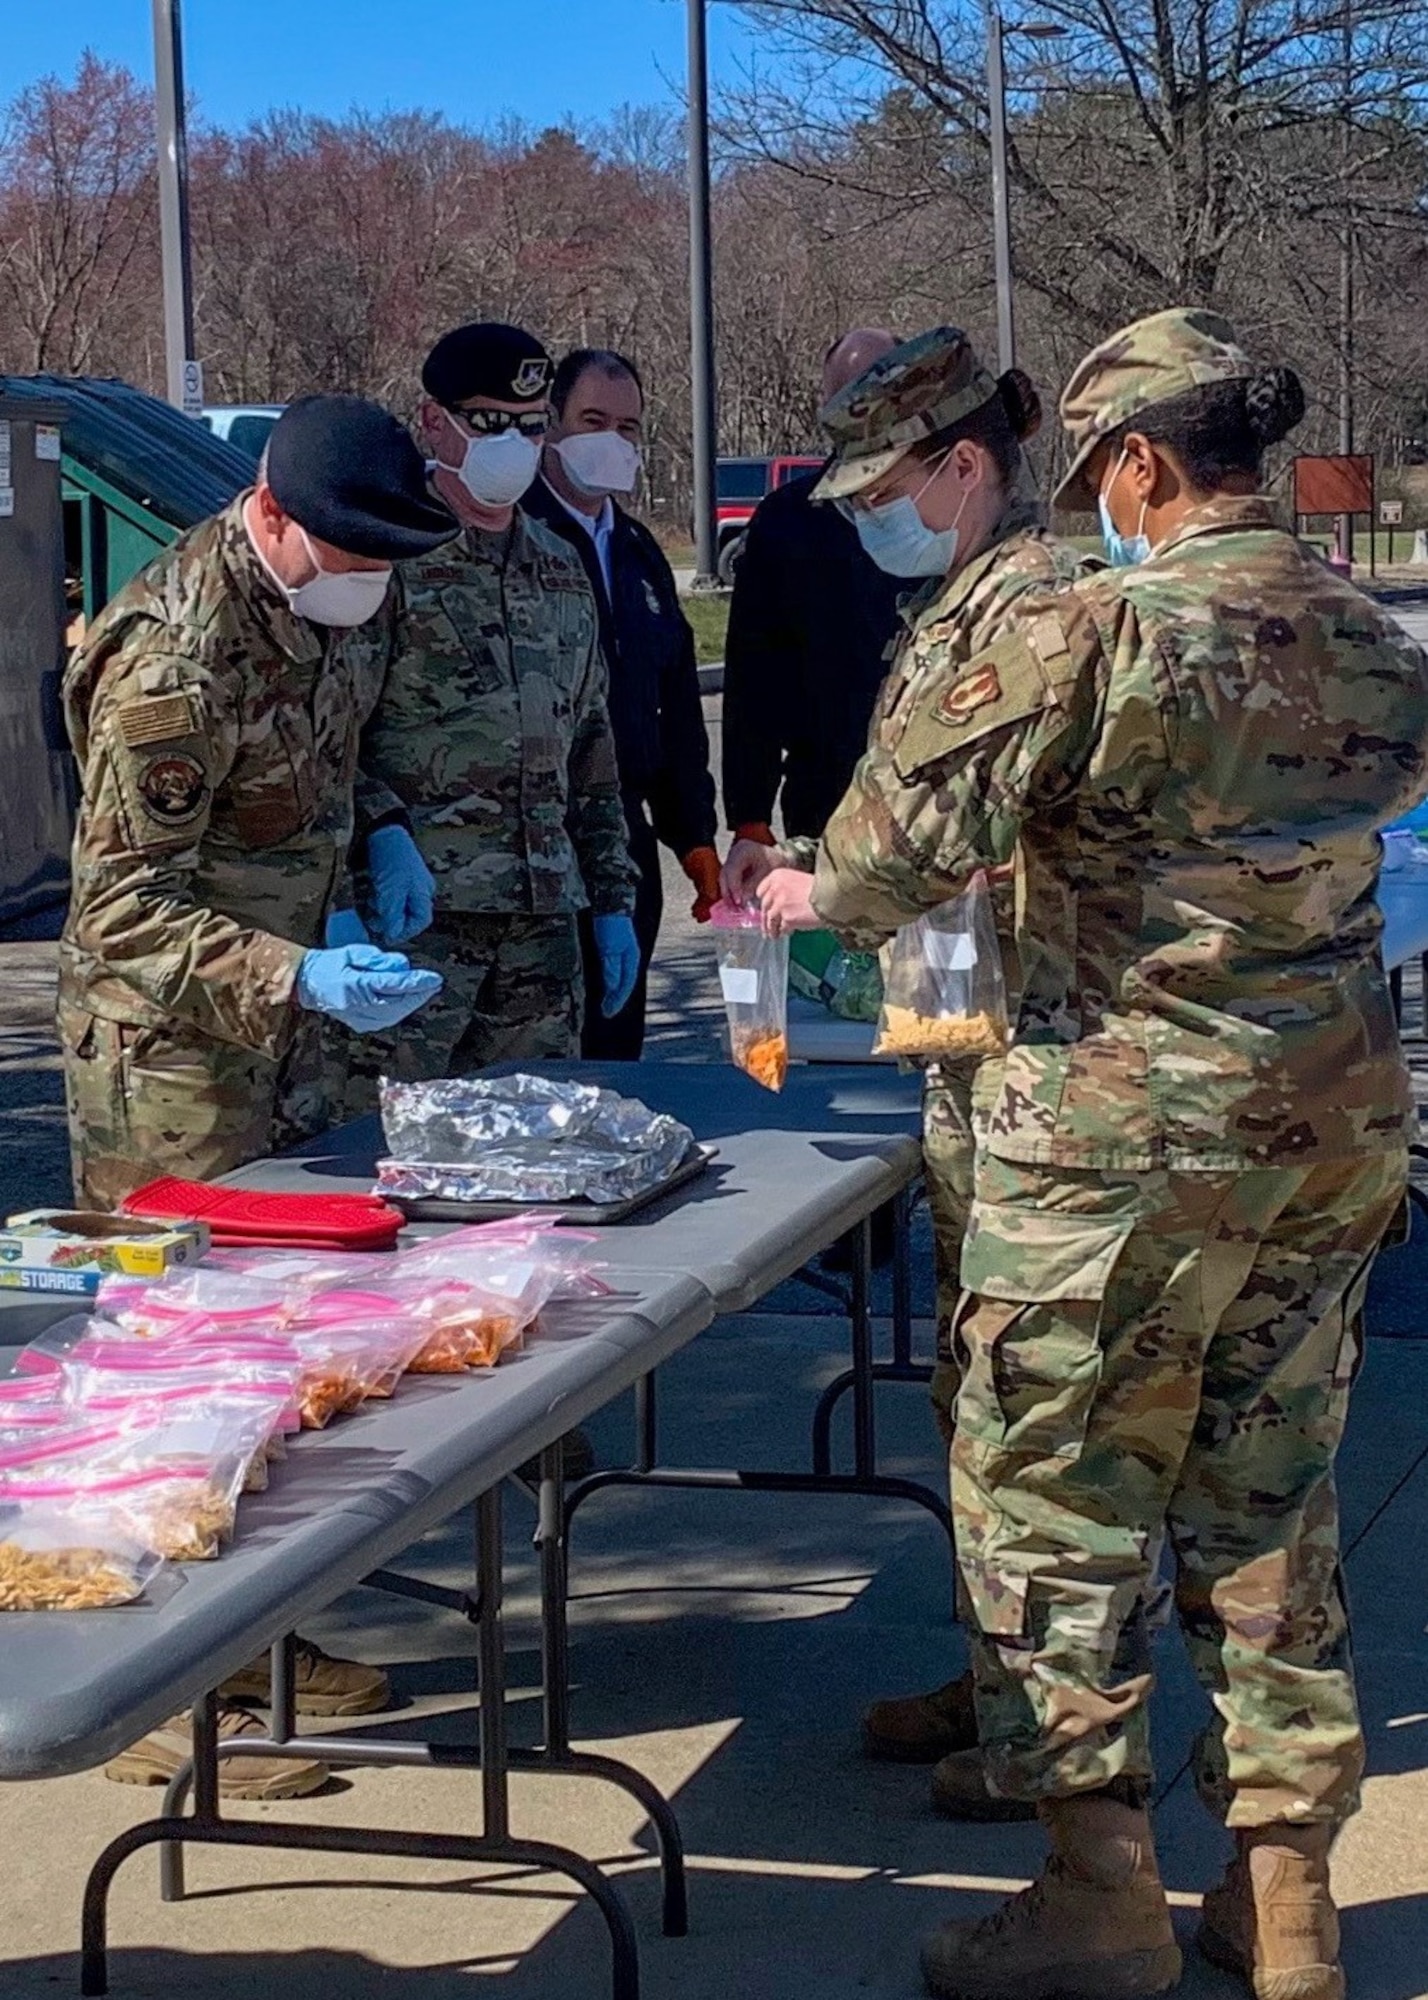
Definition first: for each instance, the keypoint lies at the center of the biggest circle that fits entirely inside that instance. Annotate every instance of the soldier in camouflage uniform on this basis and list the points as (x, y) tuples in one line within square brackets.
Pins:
[(492, 730), (1184, 1169), (215, 718), (925, 405), (214, 708)]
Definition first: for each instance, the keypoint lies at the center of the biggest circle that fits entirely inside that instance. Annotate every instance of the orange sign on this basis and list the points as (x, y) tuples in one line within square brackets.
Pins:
[(1333, 485)]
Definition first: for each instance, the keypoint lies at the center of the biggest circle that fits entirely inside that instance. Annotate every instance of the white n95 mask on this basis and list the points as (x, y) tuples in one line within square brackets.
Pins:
[(600, 462), (496, 470)]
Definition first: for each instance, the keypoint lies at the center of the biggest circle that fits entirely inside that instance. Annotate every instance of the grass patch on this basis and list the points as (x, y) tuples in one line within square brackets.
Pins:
[(709, 615)]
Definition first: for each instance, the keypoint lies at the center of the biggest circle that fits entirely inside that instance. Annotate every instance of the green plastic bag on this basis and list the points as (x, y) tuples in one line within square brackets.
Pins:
[(848, 983)]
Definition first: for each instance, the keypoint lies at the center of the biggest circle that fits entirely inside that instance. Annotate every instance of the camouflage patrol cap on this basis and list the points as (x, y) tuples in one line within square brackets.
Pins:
[(923, 386), (1147, 363)]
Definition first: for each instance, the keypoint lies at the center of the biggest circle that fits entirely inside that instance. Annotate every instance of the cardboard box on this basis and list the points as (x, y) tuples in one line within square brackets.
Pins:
[(51, 1250)]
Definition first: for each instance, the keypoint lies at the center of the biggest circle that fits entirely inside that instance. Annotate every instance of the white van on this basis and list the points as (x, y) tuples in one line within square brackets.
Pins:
[(245, 425)]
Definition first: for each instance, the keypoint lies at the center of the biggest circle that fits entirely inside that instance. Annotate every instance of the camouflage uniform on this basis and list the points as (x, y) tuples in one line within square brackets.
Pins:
[(958, 619), (492, 730), (1198, 1137), (217, 741), (924, 386)]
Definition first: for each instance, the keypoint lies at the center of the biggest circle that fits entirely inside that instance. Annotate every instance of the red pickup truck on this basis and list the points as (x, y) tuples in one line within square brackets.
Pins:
[(740, 484)]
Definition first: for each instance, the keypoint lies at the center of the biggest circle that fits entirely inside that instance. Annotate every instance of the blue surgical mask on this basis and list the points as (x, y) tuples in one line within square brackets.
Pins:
[(900, 541), (1122, 551)]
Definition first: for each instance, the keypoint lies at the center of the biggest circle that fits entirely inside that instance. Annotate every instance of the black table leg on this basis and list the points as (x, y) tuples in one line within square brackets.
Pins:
[(557, 1755), (206, 1826)]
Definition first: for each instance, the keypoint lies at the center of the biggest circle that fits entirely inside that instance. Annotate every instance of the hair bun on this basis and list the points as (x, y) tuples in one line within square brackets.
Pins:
[(1021, 403), (1274, 404)]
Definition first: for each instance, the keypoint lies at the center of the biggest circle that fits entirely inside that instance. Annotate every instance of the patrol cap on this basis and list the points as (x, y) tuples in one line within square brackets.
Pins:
[(923, 386), (487, 358), (348, 472), (1149, 362)]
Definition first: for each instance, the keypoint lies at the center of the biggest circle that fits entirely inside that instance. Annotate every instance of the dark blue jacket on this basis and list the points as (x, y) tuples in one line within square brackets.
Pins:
[(660, 738)]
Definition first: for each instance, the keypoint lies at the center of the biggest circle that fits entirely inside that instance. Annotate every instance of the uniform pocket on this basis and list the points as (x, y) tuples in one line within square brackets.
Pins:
[(272, 790), (1028, 1330)]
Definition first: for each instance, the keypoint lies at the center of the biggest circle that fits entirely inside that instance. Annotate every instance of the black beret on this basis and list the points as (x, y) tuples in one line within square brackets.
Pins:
[(487, 359), (348, 472)]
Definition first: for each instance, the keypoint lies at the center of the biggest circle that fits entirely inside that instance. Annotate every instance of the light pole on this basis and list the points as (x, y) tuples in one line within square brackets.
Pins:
[(185, 377), (997, 33), (701, 302), (1344, 536)]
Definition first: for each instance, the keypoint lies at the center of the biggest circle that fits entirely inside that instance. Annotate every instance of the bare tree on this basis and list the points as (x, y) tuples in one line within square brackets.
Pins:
[(78, 232)]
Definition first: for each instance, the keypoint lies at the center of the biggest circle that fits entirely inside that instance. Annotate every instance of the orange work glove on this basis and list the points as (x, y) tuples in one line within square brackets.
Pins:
[(701, 865), (756, 829)]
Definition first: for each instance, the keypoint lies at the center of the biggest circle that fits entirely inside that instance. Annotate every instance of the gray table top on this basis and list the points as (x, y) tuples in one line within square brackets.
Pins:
[(77, 1687), (794, 1171)]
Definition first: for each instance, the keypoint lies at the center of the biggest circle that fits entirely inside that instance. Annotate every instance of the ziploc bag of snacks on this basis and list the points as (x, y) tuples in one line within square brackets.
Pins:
[(187, 1300), (753, 977), (69, 1556), (167, 1481), (945, 997)]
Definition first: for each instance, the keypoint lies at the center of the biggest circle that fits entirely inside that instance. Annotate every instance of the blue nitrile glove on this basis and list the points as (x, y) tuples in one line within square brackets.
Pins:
[(344, 927), (619, 951), (364, 988), (403, 887)]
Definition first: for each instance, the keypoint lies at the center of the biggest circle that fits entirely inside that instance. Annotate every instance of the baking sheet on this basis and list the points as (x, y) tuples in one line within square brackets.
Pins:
[(589, 1213)]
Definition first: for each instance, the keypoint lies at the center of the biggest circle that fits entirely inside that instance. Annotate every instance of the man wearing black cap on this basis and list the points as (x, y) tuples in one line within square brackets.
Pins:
[(493, 732), (214, 708)]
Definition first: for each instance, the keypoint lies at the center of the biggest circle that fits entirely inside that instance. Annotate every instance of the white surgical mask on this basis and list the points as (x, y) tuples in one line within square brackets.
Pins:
[(599, 462), (332, 597), (497, 469)]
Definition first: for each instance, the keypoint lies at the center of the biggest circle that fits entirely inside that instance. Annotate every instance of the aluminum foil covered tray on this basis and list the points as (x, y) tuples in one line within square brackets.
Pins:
[(523, 1139)]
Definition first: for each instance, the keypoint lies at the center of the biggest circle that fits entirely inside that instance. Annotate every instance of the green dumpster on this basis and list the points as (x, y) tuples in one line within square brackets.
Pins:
[(134, 473)]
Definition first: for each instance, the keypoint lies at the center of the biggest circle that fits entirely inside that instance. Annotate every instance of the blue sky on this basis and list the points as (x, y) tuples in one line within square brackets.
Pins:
[(475, 60)]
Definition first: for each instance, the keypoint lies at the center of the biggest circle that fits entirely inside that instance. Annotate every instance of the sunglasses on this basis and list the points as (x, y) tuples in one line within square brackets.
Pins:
[(491, 423)]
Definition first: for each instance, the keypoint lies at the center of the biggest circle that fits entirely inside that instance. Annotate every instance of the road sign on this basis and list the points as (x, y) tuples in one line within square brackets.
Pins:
[(1390, 513), (193, 388)]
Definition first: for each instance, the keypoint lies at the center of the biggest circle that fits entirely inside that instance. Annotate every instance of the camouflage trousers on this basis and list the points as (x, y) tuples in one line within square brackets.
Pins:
[(149, 1101), (948, 1169), (513, 992), (1163, 1353)]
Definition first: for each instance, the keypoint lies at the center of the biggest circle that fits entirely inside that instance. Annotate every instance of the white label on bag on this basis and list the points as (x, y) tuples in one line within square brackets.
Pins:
[(740, 984), (951, 951)]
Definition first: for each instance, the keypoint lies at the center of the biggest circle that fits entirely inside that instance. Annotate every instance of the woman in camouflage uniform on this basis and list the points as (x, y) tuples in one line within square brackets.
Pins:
[(1193, 1149), (928, 428)]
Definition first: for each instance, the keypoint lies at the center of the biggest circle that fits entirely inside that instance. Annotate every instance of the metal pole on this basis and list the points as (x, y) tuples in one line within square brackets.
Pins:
[(1345, 533), (173, 200), (701, 301), (1001, 204)]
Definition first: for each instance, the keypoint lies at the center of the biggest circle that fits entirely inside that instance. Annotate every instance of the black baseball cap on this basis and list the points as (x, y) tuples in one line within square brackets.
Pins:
[(348, 472)]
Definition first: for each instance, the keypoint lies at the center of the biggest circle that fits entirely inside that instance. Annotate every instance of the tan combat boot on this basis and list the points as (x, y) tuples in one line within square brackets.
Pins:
[(960, 1791), (157, 1758), (921, 1728), (1095, 1927), (1272, 1920), (323, 1685)]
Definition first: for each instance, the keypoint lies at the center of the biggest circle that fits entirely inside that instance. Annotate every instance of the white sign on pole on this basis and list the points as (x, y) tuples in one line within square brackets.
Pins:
[(193, 388), (1390, 513)]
